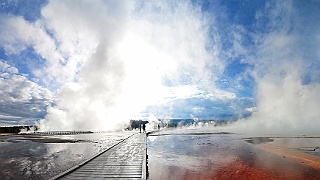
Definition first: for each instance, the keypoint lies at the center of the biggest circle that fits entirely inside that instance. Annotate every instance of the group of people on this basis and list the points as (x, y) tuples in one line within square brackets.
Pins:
[(143, 127)]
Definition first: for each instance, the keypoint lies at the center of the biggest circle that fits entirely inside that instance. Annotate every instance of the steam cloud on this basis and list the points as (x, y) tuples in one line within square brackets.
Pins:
[(286, 69), (123, 59), (110, 60)]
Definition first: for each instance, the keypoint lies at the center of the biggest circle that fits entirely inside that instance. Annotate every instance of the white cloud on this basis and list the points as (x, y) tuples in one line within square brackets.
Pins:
[(181, 92), (18, 34), (221, 95), (3, 66), (251, 109), (21, 99)]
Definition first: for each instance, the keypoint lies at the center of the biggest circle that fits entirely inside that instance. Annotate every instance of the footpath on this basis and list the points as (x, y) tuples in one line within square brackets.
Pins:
[(125, 160)]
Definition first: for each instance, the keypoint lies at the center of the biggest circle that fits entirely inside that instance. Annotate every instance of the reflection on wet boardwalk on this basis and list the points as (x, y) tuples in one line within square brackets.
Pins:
[(126, 160)]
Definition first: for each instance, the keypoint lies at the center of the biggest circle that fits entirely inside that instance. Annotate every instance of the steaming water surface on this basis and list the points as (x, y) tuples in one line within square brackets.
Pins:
[(231, 156)]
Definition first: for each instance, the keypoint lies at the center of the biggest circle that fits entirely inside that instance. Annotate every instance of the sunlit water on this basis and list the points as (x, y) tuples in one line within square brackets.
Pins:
[(172, 154), (197, 154), (42, 157)]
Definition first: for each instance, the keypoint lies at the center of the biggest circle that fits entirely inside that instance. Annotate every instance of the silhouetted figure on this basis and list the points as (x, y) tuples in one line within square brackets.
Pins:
[(158, 127), (140, 127), (144, 128)]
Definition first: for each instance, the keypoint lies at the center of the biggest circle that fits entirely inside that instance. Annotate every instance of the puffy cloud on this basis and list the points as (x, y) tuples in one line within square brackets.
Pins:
[(18, 34), (22, 101), (221, 95)]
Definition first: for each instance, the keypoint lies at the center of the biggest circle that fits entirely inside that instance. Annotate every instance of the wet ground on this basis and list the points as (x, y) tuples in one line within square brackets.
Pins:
[(44, 156), (198, 154), (173, 154)]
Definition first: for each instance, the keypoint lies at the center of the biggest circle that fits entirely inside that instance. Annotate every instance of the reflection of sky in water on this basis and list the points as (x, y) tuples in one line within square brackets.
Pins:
[(307, 145), (297, 142), (25, 159), (185, 155), (173, 156)]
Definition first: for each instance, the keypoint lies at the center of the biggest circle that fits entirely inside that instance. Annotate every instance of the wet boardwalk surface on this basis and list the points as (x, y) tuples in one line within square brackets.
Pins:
[(126, 160)]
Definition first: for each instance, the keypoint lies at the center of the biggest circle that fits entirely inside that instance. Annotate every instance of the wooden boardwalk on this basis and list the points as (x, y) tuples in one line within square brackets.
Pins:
[(126, 160)]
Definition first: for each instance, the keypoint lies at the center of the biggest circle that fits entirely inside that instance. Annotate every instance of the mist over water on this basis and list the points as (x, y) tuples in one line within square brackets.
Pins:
[(286, 71), (285, 107)]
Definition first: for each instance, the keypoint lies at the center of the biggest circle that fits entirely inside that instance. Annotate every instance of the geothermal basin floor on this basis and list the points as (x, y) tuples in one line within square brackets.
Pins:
[(199, 154), (194, 153), (125, 160)]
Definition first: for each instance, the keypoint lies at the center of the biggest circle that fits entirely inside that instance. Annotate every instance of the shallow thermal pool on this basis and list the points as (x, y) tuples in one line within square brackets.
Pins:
[(192, 154)]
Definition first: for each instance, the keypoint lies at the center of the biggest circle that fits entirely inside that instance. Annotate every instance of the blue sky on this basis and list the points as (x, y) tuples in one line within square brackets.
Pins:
[(93, 64)]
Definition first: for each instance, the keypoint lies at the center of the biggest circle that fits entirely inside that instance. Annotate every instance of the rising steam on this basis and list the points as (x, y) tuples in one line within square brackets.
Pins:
[(286, 70), (112, 59), (122, 59)]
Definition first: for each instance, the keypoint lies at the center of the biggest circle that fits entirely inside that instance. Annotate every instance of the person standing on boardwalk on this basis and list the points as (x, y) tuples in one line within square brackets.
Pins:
[(144, 127), (140, 127)]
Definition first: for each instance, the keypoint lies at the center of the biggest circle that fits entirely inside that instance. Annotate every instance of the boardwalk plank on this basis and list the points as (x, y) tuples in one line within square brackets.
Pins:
[(124, 161)]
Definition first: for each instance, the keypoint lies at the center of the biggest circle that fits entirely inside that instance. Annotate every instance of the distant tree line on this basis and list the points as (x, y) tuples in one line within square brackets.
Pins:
[(17, 129), (134, 124)]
